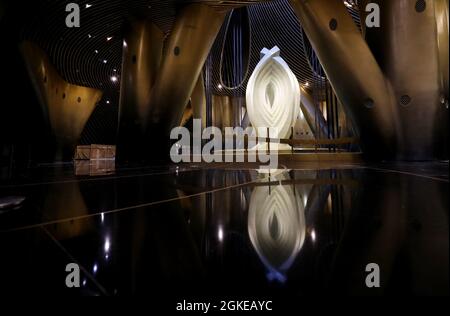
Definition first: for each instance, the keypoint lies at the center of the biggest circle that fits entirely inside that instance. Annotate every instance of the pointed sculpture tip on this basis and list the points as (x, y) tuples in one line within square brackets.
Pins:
[(274, 51)]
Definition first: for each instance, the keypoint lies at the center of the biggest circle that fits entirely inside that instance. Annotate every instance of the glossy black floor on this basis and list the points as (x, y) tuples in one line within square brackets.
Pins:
[(191, 230)]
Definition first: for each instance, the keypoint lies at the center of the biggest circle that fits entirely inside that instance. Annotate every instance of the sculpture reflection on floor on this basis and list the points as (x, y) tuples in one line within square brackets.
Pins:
[(276, 226)]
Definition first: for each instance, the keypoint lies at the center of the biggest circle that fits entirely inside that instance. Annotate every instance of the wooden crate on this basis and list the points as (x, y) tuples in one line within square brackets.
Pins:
[(94, 167), (95, 152), (83, 152)]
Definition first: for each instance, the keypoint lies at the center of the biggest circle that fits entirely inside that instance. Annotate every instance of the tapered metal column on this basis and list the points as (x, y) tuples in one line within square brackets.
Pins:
[(411, 47), (142, 53), (194, 32), (353, 72), (222, 111), (312, 113), (187, 115), (67, 106), (442, 16), (413, 53), (198, 100)]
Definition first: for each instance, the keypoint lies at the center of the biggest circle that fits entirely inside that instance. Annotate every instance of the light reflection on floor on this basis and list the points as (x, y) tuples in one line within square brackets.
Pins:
[(300, 230)]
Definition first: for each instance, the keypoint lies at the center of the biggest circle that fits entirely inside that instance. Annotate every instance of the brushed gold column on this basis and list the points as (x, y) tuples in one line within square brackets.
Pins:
[(352, 70), (442, 24), (187, 114), (198, 101), (190, 41), (311, 113), (67, 106), (142, 53), (413, 54), (196, 107), (222, 114)]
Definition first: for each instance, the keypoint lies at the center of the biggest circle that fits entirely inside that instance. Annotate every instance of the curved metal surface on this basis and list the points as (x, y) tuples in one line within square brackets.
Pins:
[(353, 72), (187, 115), (222, 114), (142, 53), (311, 113), (198, 100), (188, 46), (442, 24), (68, 107), (411, 52)]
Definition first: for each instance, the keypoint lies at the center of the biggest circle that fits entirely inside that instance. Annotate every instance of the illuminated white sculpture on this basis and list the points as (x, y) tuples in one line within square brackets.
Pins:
[(276, 226), (273, 96)]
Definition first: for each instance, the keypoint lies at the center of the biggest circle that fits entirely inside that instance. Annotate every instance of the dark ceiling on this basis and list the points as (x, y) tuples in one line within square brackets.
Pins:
[(91, 55), (84, 55)]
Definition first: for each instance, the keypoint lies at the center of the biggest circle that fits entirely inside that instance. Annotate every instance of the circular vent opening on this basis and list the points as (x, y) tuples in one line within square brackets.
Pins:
[(176, 51), (333, 24), (405, 100), (421, 5), (368, 103)]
